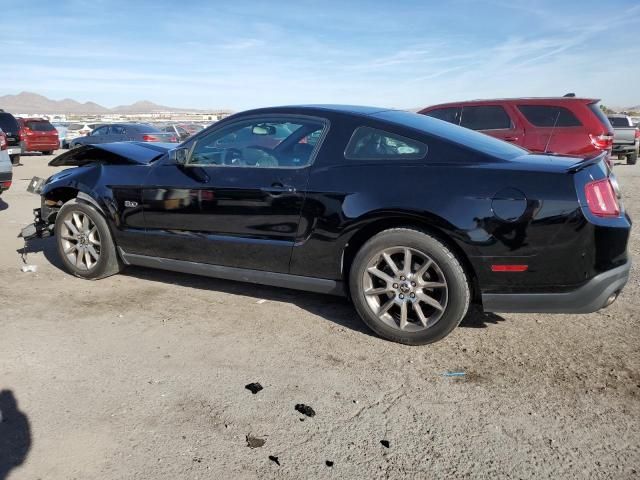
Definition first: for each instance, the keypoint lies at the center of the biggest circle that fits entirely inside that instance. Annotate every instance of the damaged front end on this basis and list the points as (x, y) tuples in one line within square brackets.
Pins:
[(44, 217)]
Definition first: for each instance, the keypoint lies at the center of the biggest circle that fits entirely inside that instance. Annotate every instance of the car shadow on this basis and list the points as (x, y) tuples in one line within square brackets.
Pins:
[(48, 248), (336, 309), (3, 205), (15, 434)]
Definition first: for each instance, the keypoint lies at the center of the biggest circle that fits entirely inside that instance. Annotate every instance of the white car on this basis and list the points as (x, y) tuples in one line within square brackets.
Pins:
[(76, 130)]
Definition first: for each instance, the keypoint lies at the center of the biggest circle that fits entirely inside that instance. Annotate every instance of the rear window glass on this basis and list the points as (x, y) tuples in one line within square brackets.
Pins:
[(75, 126), (549, 116), (485, 117), (372, 144), (619, 122), (39, 126), (8, 123), (448, 114)]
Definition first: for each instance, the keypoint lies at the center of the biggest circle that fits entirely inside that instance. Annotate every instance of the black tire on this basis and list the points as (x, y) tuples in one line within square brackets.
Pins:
[(632, 159), (108, 263), (15, 159), (457, 285), (48, 152)]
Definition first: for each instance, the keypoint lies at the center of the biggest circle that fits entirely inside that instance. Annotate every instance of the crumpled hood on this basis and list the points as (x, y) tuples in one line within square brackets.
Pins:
[(118, 153)]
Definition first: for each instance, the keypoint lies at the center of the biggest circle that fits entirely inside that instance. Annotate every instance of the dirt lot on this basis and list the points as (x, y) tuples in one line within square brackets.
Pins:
[(142, 375)]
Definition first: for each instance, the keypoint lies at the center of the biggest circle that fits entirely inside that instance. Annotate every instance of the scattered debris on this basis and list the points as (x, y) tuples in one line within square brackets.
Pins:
[(305, 410), (329, 463), (255, 442), (385, 443), (254, 387), (274, 459), (261, 301), (197, 459), (453, 374), (301, 419), (29, 268)]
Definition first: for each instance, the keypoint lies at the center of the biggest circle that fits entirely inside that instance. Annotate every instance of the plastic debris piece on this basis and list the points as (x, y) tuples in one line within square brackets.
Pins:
[(274, 459), (261, 301), (255, 442), (453, 374), (305, 410), (254, 387), (385, 443), (29, 268), (329, 463)]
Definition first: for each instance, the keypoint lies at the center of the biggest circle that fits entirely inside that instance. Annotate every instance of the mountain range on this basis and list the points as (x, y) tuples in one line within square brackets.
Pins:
[(28, 102)]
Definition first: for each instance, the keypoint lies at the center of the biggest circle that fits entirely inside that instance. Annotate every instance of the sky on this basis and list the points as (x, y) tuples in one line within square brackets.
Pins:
[(240, 54)]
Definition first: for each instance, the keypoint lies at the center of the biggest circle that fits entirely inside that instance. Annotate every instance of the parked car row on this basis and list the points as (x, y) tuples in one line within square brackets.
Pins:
[(122, 132), (6, 168)]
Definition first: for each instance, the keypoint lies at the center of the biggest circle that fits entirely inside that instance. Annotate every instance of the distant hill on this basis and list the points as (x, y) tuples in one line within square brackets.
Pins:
[(27, 102)]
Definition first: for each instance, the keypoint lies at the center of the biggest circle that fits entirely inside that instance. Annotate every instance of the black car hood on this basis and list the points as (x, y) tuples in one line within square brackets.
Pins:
[(118, 153)]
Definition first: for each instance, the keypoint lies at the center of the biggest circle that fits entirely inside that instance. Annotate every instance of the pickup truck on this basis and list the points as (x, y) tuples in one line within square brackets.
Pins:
[(626, 138)]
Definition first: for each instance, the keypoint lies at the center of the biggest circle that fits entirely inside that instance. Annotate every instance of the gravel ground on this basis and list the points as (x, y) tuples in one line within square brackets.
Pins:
[(142, 375)]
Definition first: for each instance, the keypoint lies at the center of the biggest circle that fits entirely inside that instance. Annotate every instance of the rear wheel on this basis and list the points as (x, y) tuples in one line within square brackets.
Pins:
[(48, 152), (15, 159), (632, 159), (84, 242), (408, 287)]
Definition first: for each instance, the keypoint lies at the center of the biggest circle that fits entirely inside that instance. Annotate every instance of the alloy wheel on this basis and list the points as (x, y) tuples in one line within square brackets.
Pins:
[(405, 288), (80, 240)]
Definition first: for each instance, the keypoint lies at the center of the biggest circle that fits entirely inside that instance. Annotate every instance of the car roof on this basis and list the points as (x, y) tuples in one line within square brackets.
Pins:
[(519, 100), (310, 108)]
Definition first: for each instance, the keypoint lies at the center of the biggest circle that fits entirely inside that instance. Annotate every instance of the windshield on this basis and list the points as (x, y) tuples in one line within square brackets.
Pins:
[(619, 122)]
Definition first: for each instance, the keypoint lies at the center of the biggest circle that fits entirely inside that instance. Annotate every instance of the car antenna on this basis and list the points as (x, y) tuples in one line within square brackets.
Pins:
[(553, 129)]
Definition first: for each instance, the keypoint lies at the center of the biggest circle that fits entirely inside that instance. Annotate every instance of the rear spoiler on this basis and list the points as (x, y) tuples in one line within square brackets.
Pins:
[(582, 164)]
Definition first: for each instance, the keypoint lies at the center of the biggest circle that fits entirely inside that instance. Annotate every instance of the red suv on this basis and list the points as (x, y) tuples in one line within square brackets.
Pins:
[(38, 135), (564, 125)]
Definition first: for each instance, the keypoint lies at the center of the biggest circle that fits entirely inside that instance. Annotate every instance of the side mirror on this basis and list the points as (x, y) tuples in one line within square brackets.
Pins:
[(179, 156)]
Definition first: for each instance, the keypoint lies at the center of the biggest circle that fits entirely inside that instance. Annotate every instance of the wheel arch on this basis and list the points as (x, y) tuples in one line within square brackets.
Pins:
[(432, 227)]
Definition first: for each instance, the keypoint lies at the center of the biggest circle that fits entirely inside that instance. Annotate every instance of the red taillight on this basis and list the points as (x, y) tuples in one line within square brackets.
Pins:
[(3, 141), (602, 142), (150, 138), (5, 185), (173, 139), (601, 198), (637, 132)]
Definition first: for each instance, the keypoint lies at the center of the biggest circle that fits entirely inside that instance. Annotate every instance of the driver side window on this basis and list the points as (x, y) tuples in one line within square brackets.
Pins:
[(260, 143)]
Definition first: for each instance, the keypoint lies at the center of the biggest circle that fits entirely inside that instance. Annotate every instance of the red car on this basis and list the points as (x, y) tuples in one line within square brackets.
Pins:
[(38, 135), (563, 125)]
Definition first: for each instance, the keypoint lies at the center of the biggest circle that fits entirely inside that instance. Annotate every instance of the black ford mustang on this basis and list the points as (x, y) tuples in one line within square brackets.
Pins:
[(412, 217)]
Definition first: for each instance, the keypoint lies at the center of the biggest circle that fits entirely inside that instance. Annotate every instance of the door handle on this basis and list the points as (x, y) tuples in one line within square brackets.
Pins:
[(278, 187), (511, 139)]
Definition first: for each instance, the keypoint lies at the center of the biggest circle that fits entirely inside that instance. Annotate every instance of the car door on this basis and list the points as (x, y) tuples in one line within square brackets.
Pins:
[(237, 197), (117, 133), (493, 120), (99, 135)]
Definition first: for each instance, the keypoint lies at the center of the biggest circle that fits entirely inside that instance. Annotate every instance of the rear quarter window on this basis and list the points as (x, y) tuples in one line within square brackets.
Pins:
[(373, 144), (549, 116), (619, 122), (485, 117), (448, 114)]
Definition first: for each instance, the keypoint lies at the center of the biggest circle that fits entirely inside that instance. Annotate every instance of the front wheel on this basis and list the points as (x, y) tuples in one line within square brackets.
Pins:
[(408, 287), (48, 152), (84, 242), (632, 159), (15, 159)]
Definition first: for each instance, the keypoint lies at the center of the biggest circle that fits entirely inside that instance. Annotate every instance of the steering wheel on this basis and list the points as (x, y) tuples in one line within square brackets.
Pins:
[(233, 157)]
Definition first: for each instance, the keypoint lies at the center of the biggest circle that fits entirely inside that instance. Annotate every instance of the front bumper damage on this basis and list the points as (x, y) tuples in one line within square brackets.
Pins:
[(44, 217)]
